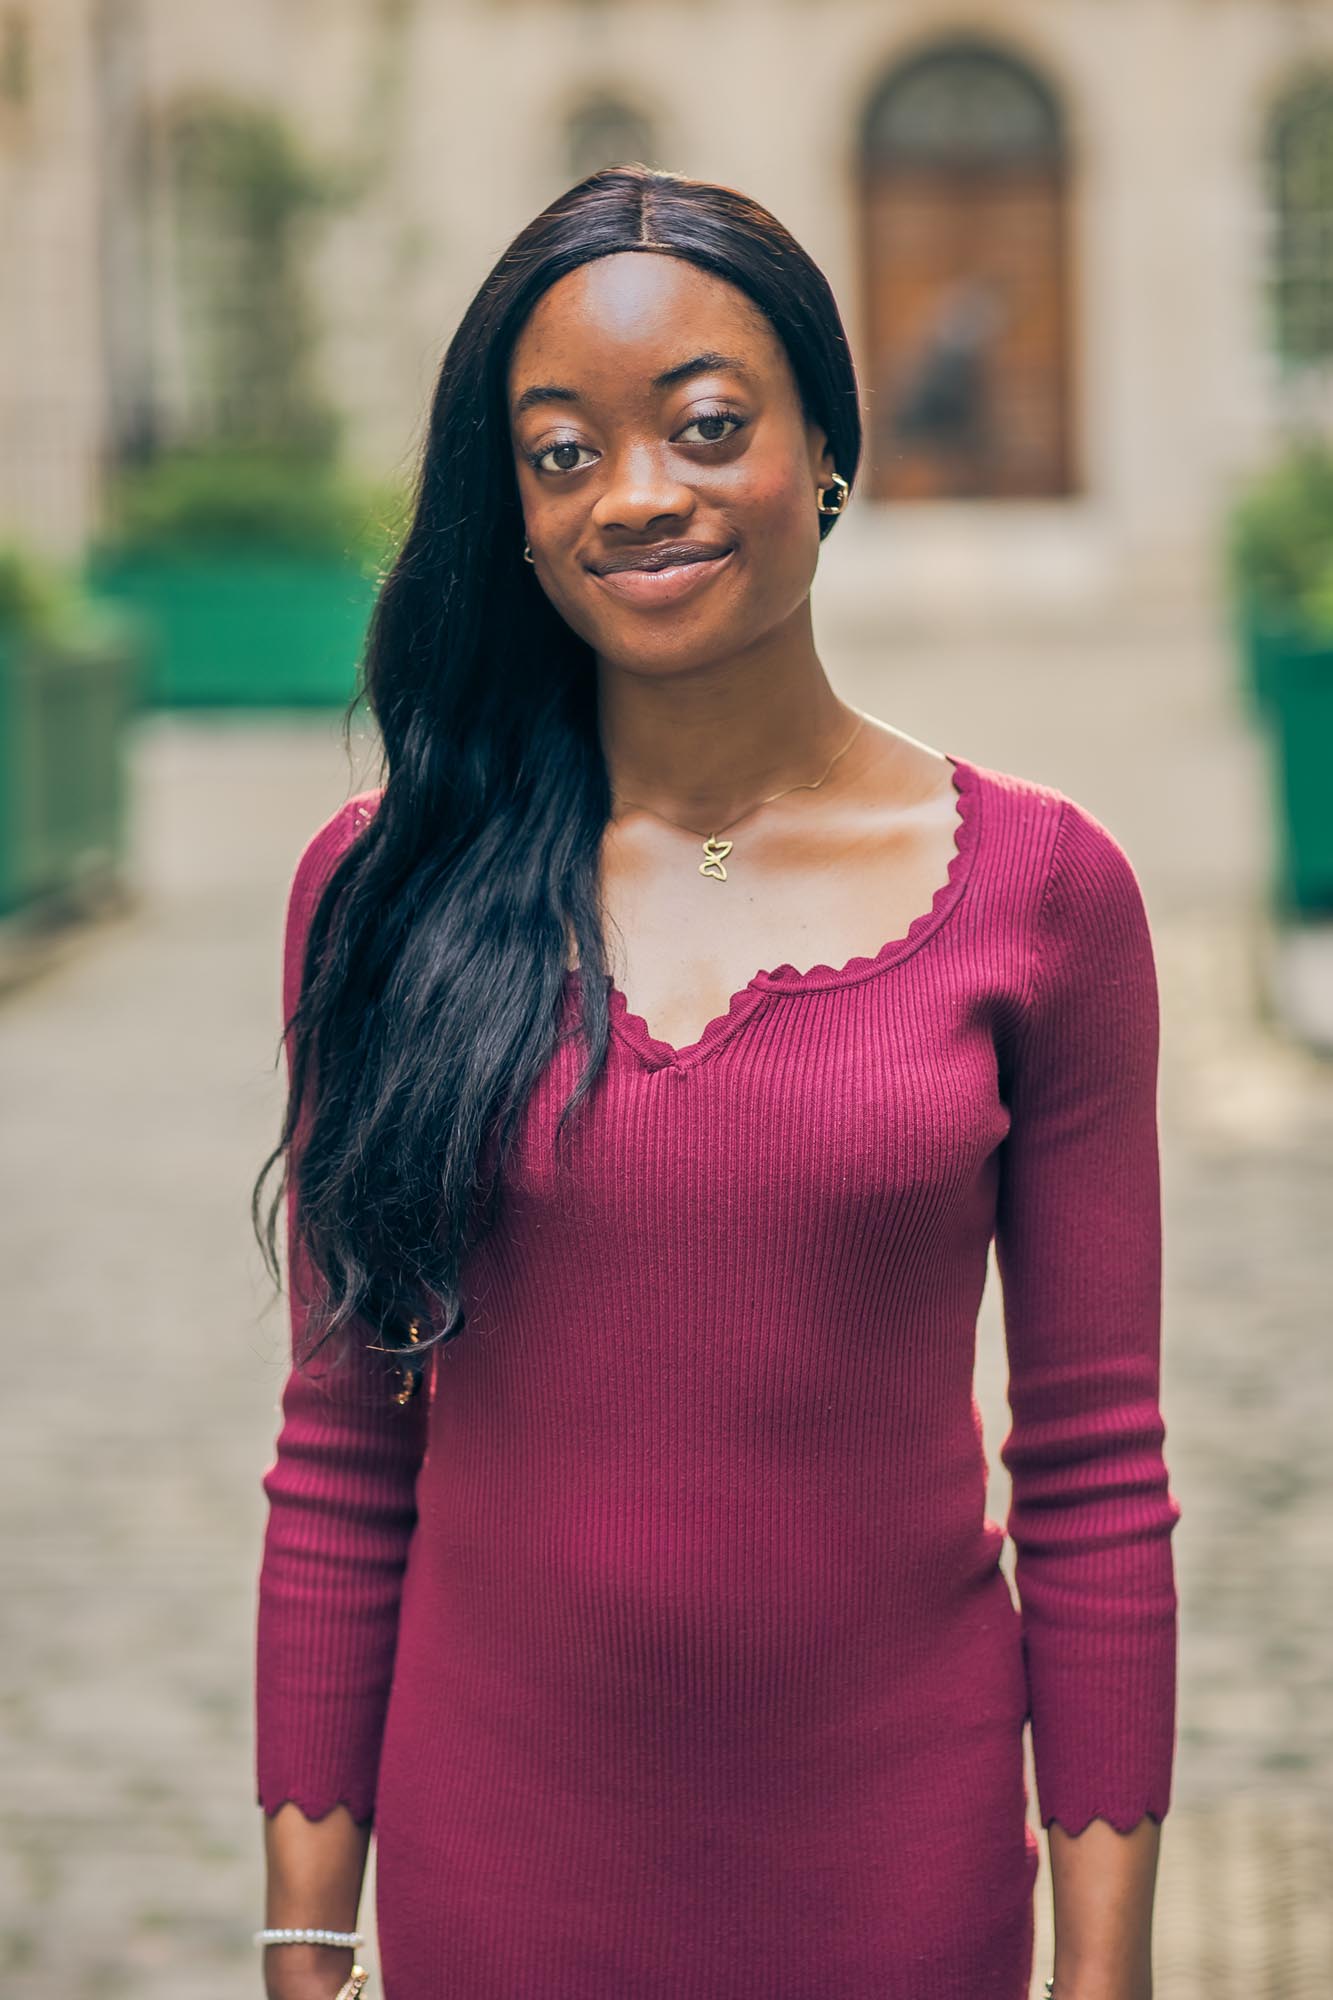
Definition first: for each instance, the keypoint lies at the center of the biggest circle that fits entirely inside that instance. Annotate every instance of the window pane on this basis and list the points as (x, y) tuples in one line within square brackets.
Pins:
[(1299, 169)]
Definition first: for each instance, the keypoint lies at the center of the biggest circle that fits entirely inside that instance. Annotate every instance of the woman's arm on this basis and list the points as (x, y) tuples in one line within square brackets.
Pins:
[(342, 1512), (319, 1866), (1104, 1883), (1078, 1245)]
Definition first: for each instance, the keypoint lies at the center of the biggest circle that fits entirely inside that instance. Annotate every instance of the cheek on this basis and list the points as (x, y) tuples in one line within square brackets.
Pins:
[(589, 611), (561, 535), (776, 509)]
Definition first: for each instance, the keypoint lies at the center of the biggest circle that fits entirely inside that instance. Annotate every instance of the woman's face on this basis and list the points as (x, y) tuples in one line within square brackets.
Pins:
[(621, 449)]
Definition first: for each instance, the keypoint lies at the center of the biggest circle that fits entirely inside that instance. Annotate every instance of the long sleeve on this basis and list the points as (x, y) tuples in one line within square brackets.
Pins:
[(1078, 1247), (342, 1511)]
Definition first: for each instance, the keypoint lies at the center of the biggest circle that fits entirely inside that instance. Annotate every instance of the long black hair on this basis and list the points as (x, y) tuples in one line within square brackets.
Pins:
[(435, 958)]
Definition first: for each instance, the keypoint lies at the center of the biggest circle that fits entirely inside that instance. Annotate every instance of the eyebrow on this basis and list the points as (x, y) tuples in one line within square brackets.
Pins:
[(710, 362)]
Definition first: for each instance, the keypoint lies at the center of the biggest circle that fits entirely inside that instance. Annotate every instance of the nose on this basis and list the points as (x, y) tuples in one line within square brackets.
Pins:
[(641, 489)]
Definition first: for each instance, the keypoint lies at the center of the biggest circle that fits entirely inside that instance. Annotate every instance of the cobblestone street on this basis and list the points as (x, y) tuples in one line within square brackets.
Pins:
[(138, 1071)]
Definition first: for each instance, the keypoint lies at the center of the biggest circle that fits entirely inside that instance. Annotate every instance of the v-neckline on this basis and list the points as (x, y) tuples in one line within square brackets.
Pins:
[(633, 1030)]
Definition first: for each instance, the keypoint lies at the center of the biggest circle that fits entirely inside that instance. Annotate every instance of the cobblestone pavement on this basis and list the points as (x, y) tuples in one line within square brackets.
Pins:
[(146, 1353)]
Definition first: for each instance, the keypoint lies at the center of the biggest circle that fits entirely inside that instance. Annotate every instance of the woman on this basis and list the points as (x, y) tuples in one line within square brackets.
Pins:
[(626, 1561)]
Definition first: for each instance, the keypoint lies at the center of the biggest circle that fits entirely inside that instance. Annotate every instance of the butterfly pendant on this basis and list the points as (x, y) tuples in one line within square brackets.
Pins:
[(715, 850)]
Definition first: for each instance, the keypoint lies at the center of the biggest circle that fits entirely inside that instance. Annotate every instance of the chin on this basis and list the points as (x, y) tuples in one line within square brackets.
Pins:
[(666, 642), (658, 653)]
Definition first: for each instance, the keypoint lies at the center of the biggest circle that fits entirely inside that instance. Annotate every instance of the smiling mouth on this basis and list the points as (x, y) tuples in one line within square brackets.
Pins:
[(662, 582), (669, 557)]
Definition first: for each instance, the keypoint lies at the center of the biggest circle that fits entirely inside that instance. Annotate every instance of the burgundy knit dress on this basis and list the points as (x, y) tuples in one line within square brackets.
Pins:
[(663, 1633)]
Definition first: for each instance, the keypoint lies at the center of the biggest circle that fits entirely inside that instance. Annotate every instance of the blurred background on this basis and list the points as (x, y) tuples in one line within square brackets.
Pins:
[(1084, 253)]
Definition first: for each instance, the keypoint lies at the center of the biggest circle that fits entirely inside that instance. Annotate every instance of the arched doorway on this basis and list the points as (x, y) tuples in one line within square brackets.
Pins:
[(965, 262)]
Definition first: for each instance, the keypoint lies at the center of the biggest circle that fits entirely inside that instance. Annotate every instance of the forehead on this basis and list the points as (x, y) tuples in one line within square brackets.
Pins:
[(629, 316)]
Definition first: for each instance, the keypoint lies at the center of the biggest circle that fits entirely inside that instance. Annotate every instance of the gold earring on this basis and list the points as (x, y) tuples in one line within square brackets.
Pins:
[(411, 1380), (840, 486), (528, 555)]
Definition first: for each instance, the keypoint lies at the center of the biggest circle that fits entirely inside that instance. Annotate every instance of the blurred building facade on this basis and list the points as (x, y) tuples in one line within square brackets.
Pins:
[(52, 387), (1083, 248)]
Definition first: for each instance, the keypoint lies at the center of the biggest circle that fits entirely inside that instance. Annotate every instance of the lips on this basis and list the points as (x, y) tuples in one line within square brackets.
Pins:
[(669, 580), (662, 555)]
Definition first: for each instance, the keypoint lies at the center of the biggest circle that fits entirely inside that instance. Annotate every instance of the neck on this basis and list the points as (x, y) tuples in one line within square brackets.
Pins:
[(700, 744)]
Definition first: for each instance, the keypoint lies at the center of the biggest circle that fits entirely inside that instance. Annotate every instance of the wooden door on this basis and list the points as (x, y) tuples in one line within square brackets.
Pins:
[(966, 342)]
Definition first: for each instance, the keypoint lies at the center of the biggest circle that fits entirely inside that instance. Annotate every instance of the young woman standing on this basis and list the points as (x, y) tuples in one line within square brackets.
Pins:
[(668, 1041)]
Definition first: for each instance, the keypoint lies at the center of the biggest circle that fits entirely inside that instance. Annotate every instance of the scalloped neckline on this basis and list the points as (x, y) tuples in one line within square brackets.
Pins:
[(817, 978), (633, 1029)]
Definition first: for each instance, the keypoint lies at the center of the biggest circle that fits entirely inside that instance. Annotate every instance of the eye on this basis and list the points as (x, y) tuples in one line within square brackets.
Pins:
[(717, 417), (535, 458)]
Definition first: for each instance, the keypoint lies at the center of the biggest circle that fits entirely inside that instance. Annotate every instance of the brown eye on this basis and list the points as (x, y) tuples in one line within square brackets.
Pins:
[(535, 458), (717, 417)]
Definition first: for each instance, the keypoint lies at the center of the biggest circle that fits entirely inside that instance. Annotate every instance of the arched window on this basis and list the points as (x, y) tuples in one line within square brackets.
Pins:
[(1298, 161), (607, 132), (964, 103), (238, 201), (15, 57), (964, 205)]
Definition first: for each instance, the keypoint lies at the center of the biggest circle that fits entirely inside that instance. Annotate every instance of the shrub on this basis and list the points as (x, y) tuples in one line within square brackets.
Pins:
[(44, 600), (223, 499), (1280, 541)]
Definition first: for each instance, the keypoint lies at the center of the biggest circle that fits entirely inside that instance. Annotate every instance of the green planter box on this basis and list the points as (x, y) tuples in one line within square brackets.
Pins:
[(64, 707), (1265, 643), (1292, 674), (1256, 637), (241, 630)]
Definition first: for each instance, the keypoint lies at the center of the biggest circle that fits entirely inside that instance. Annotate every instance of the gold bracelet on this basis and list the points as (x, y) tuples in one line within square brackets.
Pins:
[(354, 1985)]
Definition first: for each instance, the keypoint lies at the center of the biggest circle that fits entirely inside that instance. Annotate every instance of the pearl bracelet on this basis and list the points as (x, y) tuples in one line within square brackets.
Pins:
[(309, 1937)]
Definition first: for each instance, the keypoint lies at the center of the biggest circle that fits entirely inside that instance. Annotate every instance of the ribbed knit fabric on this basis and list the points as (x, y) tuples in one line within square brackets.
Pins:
[(663, 1635)]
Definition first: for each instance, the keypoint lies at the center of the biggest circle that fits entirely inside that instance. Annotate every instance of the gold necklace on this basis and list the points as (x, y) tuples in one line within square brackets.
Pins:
[(716, 850)]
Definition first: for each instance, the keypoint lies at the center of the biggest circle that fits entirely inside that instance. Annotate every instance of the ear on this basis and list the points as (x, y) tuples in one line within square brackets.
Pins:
[(822, 464)]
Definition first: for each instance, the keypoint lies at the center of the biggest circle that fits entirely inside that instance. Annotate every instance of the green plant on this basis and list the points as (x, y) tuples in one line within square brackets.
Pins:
[(200, 499), (29, 591), (1280, 540), (46, 600)]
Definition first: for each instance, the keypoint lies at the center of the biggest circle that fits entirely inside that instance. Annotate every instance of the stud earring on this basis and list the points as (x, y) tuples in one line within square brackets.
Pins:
[(528, 555), (842, 489)]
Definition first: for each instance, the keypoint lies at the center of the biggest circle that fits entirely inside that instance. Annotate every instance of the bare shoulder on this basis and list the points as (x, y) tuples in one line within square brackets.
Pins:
[(1052, 836), (900, 770)]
